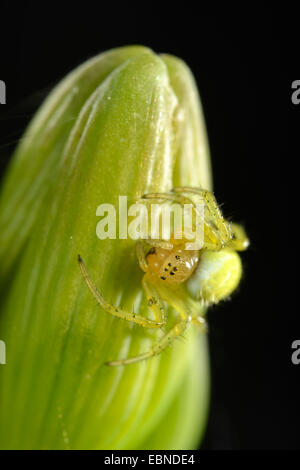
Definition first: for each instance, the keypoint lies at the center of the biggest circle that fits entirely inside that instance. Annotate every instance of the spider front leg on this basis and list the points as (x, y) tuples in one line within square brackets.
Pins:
[(179, 327), (188, 310), (156, 307), (153, 299), (183, 303)]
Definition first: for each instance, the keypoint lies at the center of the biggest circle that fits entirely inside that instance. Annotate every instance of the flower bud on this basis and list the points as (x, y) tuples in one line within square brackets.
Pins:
[(127, 122)]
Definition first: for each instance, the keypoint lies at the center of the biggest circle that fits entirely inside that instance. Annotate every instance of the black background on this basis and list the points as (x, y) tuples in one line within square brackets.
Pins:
[(241, 69)]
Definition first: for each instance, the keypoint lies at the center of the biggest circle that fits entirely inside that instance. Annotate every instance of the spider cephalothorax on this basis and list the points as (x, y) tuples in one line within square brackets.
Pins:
[(184, 278), (173, 266)]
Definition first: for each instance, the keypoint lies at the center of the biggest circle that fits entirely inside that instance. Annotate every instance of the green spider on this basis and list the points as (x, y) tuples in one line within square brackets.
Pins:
[(186, 279)]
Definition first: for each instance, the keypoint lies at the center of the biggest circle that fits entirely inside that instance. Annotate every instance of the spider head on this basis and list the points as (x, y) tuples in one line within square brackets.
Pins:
[(173, 266)]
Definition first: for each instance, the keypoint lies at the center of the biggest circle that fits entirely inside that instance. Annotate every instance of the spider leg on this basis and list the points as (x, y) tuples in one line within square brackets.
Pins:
[(119, 312), (153, 299), (182, 200), (141, 256), (164, 342), (201, 323), (159, 244), (240, 241), (185, 305), (216, 229), (210, 201)]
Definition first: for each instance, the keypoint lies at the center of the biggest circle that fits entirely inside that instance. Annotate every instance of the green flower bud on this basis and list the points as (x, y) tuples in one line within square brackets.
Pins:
[(127, 122)]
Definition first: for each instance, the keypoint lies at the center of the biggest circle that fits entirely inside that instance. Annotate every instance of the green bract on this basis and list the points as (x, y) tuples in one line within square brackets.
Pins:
[(127, 122)]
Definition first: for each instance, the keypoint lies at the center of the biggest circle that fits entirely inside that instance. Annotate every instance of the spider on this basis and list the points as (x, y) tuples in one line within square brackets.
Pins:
[(186, 279)]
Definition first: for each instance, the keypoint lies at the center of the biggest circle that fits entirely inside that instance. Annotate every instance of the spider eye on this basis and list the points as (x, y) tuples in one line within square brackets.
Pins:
[(217, 275)]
